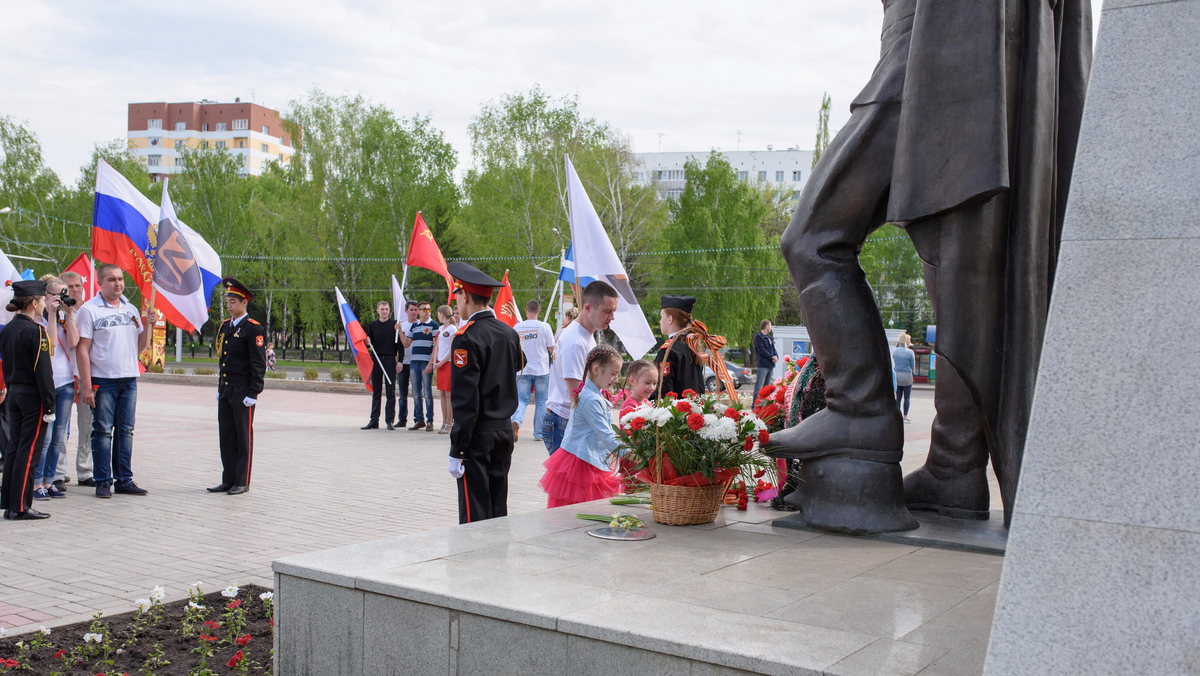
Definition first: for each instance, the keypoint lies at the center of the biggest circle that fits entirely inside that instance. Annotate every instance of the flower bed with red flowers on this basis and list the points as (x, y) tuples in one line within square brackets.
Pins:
[(223, 632)]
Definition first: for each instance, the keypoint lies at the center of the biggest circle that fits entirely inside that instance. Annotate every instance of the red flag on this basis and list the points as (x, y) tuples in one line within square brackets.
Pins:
[(506, 305), (423, 252), (82, 266)]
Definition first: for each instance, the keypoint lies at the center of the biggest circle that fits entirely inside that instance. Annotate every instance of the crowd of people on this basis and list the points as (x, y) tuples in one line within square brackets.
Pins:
[(59, 351)]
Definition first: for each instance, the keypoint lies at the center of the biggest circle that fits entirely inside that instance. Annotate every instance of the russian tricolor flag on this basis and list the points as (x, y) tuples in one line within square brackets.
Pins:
[(155, 247), (356, 337), (123, 223)]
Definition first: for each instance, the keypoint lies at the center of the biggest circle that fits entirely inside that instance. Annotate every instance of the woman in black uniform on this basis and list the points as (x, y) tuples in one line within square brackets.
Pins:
[(679, 368), (26, 350)]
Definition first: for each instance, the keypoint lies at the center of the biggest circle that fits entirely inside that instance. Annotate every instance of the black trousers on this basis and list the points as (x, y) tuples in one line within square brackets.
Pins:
[(402, 387), (235, 423), (483, 488), (389, 367), (26, 434)]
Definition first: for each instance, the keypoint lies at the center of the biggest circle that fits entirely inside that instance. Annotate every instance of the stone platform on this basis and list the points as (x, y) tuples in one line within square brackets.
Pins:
[(533, 594)]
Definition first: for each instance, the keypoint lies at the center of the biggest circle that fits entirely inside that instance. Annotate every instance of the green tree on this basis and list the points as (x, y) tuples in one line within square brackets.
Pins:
[(822, 141), (737, 284), (896, 276)]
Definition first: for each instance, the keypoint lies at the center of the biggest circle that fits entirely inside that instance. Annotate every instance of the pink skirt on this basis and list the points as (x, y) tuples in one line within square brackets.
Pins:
[(569, 481)]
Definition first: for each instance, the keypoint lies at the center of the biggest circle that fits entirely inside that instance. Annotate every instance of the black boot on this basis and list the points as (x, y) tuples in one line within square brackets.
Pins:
[(953, 481)]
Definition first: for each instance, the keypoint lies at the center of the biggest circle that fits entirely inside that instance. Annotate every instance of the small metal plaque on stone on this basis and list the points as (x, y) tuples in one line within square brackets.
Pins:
[(607, 533)]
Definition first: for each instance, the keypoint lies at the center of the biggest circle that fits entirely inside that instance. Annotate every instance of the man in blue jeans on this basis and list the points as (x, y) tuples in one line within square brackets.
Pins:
[(111, 334), (537, 339), (766, 357), (420, 338)]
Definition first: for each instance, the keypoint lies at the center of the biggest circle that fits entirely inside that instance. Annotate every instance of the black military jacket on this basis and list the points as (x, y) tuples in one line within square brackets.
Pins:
[(486, 356), (25, 348), (680, 372), (242, 350)]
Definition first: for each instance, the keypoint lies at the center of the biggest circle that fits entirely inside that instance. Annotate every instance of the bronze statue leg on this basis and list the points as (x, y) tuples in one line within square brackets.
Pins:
[(964, 253), (850, 451)]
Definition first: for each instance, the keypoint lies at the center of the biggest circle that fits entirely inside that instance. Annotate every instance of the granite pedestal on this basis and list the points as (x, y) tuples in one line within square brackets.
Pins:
[(1101, 574), (533, 594)]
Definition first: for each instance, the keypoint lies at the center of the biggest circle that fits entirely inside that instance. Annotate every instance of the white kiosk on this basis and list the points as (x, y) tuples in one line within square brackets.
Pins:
[(793, 341)]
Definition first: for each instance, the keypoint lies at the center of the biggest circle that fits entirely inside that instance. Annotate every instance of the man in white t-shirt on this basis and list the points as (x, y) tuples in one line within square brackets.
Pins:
[(537, 339), (111, 334), (403, 323), (576, 341)]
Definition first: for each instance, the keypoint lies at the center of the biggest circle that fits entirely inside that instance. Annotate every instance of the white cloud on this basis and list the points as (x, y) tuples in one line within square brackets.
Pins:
[(695, 71)]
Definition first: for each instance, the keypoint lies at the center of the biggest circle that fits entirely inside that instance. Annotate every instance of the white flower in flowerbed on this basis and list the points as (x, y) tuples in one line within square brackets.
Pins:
[(230, 591), (266, 595), (195, 606), (144, 604), (43, 631), (93, 638), (157, 594), (3, 631)]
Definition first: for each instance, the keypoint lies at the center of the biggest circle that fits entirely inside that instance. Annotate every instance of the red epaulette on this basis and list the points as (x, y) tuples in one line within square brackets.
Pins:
[(464, 328), (252, 320)]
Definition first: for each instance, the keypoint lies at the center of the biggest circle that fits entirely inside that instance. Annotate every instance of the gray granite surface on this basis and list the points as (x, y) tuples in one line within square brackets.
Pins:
[(1100, 574), (733, 597)]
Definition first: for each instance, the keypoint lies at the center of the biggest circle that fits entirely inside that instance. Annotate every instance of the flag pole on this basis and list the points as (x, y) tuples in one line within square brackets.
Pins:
[(380, 362)]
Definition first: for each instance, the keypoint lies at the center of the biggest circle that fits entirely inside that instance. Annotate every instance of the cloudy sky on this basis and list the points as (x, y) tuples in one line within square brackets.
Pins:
[(695, 71)]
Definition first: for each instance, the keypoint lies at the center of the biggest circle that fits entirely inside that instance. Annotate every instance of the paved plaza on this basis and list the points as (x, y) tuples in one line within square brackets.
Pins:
[(319, 482)]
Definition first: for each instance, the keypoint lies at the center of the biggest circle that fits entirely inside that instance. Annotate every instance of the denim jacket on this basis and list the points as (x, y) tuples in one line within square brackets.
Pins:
[(590, 436)]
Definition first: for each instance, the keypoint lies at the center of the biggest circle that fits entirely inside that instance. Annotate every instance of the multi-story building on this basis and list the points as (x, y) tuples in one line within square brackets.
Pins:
[(159, 132), (785, 169)]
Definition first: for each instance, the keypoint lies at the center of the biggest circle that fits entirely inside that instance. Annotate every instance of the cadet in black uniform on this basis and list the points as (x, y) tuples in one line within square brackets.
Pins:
[(241, 347), (483, 395), (681, 369), (26, 350)]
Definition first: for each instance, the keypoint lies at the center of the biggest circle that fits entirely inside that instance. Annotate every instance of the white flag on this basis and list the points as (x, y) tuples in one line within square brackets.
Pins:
[(398, 304), (595, 258), (8, 273), (186, 270)]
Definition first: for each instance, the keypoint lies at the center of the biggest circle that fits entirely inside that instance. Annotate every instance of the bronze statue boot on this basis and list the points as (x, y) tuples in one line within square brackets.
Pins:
[(850, 478), (961, 495)]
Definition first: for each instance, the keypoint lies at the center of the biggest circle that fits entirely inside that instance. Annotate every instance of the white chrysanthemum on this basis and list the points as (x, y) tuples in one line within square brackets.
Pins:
[(658, 416), (157, 594), (710, 419), (230, 591), (266, 595), (93, 638), (727, 429), (759, 425)]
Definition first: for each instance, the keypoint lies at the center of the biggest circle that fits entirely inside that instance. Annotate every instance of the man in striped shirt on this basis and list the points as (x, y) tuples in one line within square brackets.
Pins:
[(420, 338)]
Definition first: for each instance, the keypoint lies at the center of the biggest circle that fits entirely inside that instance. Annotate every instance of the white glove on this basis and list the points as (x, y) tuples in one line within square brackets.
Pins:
[(249, 401), (49, 417), (456, 468)]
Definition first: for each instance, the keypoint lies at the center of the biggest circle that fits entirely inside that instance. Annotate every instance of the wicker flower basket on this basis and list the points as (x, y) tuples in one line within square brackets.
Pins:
[(685, 505)]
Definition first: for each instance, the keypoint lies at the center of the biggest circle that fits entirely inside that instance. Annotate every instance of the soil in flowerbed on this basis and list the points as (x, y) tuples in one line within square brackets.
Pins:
[(157, 648)]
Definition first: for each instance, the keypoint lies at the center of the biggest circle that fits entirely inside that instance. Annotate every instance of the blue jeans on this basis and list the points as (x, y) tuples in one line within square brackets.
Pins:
[(56, 440), (762, 378), (554, 426), (540, 386), (422, 387), (112, 430)]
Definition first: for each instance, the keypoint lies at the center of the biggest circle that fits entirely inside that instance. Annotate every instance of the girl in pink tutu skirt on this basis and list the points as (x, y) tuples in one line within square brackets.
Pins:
[(581, 469)]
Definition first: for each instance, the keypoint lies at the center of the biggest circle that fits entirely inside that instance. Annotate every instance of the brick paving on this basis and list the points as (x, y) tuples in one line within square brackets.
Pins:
[(319, 482)]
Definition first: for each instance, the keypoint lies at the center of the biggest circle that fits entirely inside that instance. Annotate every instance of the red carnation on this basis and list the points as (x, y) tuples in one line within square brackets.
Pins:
[(764, 437), (58, 655), (233, 661), (637, 424), (779, 394), (689, 393), (683, 406), (741, 505), (749, 443), (760, 473), (672, 395), (766, 391), (695, 421), (234, 604), (242, 640), (732, 413)]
